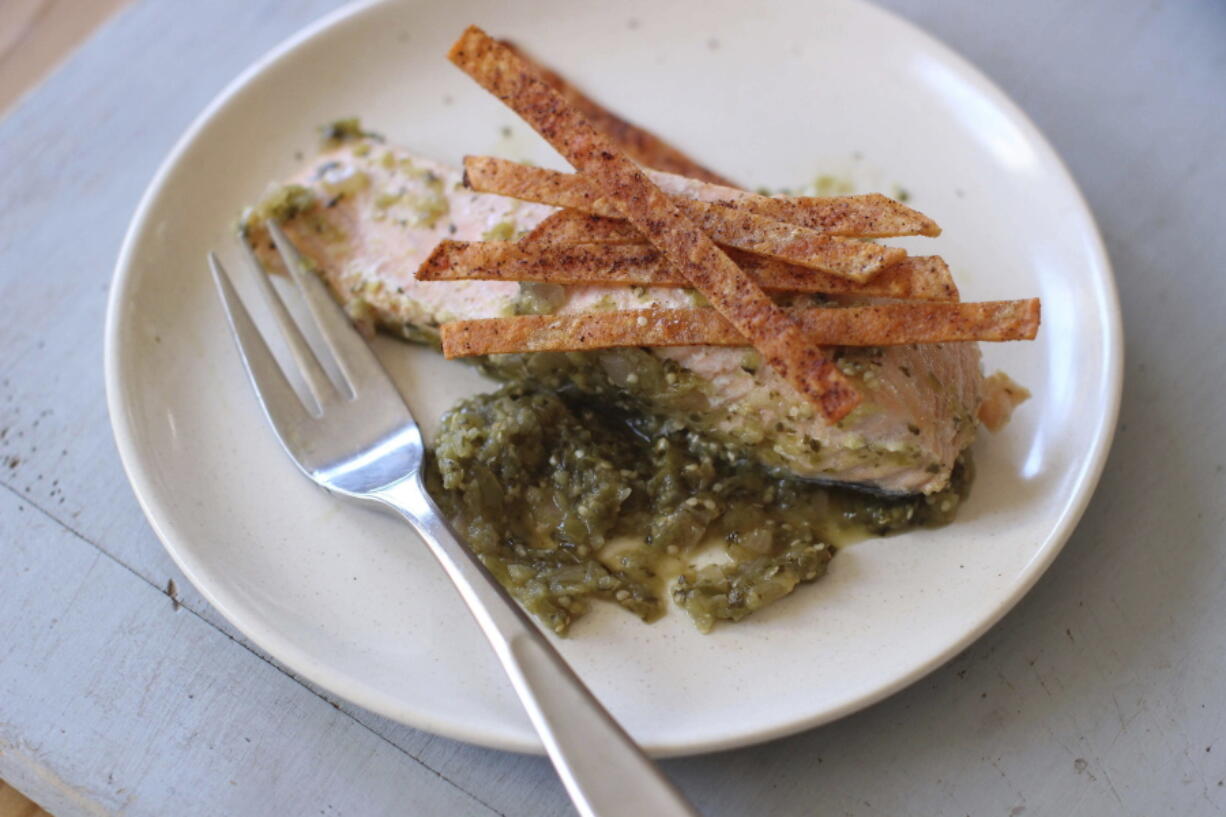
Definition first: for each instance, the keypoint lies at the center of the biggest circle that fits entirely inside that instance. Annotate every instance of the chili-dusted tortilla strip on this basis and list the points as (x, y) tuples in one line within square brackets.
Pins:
[(916, 278), (780, 340), (742, 229), (865, 215), (569, 226), (869, 215), (882, 325), (639, 144)]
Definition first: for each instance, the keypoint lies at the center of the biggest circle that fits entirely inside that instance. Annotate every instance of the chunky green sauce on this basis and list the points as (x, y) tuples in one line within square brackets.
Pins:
[(611, 475), (568, 499)]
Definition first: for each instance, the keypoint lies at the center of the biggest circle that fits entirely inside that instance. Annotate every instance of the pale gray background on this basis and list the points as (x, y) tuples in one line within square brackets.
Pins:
[(1101, 693)]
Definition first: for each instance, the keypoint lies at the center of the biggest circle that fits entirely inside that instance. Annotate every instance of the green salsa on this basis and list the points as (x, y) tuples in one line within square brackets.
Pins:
[(568, 498), (615, 475)]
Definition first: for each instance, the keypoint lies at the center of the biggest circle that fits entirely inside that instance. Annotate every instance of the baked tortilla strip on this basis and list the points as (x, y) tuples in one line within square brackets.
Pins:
[(867, 215), (639, 144), (742, 229), (915, 278), (569, 226), (881, 325), (780, 340)]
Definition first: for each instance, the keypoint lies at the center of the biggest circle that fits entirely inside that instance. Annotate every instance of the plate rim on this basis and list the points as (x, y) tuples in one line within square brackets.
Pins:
[(283, 650)]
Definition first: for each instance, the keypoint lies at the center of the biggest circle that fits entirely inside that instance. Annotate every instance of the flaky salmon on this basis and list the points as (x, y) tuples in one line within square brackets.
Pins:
[(367, 214)]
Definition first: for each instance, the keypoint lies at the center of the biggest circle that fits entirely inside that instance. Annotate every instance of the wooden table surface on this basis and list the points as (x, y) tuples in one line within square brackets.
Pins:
[(37, 34), (1103, 692)]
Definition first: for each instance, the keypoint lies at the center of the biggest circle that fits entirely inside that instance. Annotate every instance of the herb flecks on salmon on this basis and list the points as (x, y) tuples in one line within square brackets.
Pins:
[(368, 214)]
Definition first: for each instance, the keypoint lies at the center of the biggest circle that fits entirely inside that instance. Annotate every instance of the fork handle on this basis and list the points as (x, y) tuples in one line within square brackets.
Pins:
[(603, 769)]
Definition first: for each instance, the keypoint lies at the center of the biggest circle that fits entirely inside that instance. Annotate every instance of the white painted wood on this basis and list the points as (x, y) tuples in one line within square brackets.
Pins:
[(1102, 693), (116, 704)]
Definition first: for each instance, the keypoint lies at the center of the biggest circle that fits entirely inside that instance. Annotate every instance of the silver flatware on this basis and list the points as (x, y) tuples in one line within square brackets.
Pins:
[(352, 434)]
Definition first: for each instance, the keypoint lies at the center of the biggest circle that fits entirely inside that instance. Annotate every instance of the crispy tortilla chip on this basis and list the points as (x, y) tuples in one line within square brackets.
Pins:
[(914, 278), (576, 227), (639, 144), (882, 325), (781, 341), (742, 229), (869, 215), (865, 215)]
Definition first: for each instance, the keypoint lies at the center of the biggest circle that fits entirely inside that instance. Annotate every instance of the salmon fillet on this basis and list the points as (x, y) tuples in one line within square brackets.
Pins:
[(366, 215)]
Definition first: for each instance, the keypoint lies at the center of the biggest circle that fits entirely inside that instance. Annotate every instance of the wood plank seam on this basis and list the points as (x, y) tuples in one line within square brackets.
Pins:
[(15, 804), (37, 36), (249, 648)]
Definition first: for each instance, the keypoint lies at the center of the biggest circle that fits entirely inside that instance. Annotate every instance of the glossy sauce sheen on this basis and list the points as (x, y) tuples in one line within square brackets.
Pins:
[(567, 500)]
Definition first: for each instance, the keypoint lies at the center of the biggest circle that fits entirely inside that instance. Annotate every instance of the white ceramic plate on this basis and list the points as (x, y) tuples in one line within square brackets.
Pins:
[(775, 96)]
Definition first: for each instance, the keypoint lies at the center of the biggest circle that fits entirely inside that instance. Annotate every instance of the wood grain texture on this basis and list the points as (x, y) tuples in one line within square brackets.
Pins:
[(142, 701), (15, 804), (1100, 694)]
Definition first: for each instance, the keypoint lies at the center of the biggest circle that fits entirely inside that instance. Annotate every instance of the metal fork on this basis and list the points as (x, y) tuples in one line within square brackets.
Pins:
[(357, 439)]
